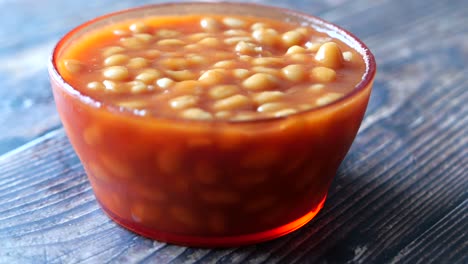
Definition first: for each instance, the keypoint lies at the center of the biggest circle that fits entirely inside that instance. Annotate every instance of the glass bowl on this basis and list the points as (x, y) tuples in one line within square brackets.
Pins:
[(218, 183)]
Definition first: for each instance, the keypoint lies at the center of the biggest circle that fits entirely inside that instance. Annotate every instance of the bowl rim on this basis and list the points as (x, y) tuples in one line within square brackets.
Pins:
[(359, 46)]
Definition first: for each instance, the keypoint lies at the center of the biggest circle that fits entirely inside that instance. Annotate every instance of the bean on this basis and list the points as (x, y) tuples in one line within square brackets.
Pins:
[(137, 63), (294, 72), (116, 59), (258, 26), (171, 42), (175, 63), (270, 107), (313, 46), (191, 87), (210, 42), (243, 47), (110, 85), (329, 55), (235, 32), (181, 75), (231, 103), (137, 87), (303, 30), (328, 98), (240, 73), (196, 114), (244, 117), (225, 64), (291, 38), (300, 58), (260, 81), (316, 87), (115, 167), (266, 36), (223, 114), (144, 37), (118, 73), (210, 24), (323, 74), (235, 40), (267, 97), (132, 43), (197, 60), (192, 47), (139, 27), (198, 36), (73, 66), (212, 77), (167, 33), (222, 91), (295, 49), (184, 101), (95, 86), (142, 212), (183, 216), (234, 22), (164, 83), (169, 160), (134, 104), (285, 112), (112, 50), (148, 76), (263, 69), (245, 58), (261, 158), (347, 55), (121, 32)]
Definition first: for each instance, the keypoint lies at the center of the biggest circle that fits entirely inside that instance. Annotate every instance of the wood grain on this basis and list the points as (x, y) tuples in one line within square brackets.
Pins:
[(399, 197)]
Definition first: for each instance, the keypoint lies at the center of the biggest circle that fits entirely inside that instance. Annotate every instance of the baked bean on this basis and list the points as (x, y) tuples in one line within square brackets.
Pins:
[(198, 36), (260, 81), (137, 63), (110, 85), (323, 74), (266, 36), (144, 37), (235, 32), (258, 25), (184, 101), (223, 114), (210, 24), (225, 64), (164, 83), (196, 114), (115, 168), (171, 42), (267, 97), (148, 76), (116, 59), (231, 103), (262, 69), (329, 55), (292, 38), (267, 61), (234, 22), (167, 33), (260, 158), (139, 27), (117, 73), (222, 91), (132, 43), (169, 160), (187, 87), (175, 63), (181, 75), (209, 42), (95, 86), (243, 47), (240, 73), (73, 66), (112, 50), (235, 40), (347, 55), (137, 87), (285, 112), (328, 98), (295, 49), (300, 58), (134, 104), (312, 46), (182, 215), (270, 107), (92, 135), (244, 116), (121, 32), (294, 72), (316, 87), (197, 60), (212, 77)]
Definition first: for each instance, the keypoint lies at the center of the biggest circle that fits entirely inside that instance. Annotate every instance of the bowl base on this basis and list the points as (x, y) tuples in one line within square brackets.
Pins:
[(221, 241)]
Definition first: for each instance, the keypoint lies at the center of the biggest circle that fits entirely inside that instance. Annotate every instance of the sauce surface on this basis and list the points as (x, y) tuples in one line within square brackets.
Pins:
[(211, 67)]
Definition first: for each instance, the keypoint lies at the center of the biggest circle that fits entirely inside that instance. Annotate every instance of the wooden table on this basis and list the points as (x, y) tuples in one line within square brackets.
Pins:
[(400, 195)]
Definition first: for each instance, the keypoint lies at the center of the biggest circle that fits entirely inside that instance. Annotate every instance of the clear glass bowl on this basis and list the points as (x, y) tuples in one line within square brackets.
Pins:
[(217, 183)]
